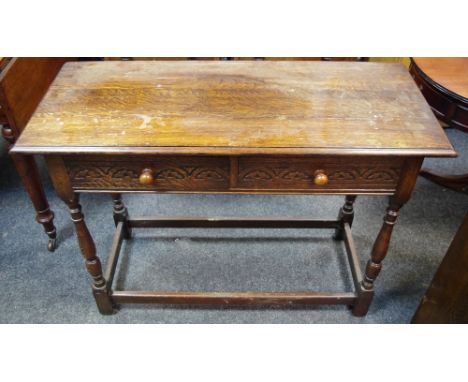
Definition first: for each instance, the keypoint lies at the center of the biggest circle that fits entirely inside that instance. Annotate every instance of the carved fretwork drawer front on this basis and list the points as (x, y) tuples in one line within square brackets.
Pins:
[(182, 173), (235, 174), (301, 173)]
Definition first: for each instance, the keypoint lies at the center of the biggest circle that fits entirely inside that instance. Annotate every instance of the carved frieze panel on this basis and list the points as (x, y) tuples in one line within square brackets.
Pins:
[(181, 173), (299, 173)]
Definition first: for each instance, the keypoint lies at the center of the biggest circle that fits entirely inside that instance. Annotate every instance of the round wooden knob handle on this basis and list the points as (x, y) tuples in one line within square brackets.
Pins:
[(146, 177), (320, 179)]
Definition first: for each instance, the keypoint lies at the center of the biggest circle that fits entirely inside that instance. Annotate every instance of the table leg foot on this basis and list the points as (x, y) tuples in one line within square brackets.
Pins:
[(104, 301), (52, 244), (361, 307)]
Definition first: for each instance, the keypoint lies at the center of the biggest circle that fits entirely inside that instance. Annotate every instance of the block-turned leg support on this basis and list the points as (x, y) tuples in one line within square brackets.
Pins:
[(380, 248), (121, 215), (27, 169), (346, 215), (62, 185), (402, 194), (374, 265), (93, 264)]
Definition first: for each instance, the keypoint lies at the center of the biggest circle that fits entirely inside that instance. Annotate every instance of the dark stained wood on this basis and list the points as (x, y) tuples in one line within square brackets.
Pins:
[(296, 173), (27, 170), (234, 107), (235, 127), (408, 178), (23, 83), (379, 250), (236, 58), (63, 188), (230, 298), (114, 255), (346, 215), (4, 62), (446, 299), (353, 258), (444, 84), (382, 242), (362, 59), (225, 151), (234, 174), (364, 296), (92, 262), (223, 222), (167, 173), (455, 182), (242, 173), (233, 298), (121, 215)]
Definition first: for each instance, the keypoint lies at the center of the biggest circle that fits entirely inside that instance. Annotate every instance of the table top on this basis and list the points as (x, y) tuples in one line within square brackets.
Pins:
[(234, 107), (449, 72)]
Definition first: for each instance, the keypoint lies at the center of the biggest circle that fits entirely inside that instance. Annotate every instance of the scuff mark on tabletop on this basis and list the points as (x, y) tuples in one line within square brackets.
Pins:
[(146, 119)]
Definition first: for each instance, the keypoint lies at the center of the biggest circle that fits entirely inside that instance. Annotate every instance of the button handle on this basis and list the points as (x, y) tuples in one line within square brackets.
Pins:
[(320, 178), (146, 177)]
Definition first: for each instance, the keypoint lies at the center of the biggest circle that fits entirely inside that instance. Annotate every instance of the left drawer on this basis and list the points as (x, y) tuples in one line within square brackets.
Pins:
[(162, 173)]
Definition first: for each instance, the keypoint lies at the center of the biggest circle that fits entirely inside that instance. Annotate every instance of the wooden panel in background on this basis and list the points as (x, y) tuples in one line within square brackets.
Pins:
[(446, 299), (23, 83)]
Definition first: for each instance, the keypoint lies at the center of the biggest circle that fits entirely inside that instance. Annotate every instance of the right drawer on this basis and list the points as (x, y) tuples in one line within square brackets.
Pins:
[(318, 174)]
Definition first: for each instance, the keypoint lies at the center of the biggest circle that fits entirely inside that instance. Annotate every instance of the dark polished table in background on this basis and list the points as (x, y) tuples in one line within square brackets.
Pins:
[(444, 84)]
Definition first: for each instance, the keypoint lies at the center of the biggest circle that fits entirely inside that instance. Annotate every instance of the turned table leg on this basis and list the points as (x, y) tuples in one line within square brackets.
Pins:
[(402, 194), (121, 215), (346, 215), (374, 265), (27, 169), (93, 264), (380, 248), (61, 181)]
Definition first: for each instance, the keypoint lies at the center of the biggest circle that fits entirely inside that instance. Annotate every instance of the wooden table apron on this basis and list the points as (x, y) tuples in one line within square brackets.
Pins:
[(237, 128)]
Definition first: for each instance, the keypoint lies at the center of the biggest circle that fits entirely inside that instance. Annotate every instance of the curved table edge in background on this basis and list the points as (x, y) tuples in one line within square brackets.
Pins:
[(451, 109)]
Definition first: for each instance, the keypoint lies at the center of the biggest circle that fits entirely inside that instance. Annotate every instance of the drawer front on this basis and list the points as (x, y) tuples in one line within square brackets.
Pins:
[(265, 174), (342, 173), (169, 173)]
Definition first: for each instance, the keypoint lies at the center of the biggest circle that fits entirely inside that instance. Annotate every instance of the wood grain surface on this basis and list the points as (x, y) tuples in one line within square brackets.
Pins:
[(449, 72), (234, 107)]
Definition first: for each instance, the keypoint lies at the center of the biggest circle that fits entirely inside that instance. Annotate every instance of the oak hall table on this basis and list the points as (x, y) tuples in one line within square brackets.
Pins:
[(234, 127)]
